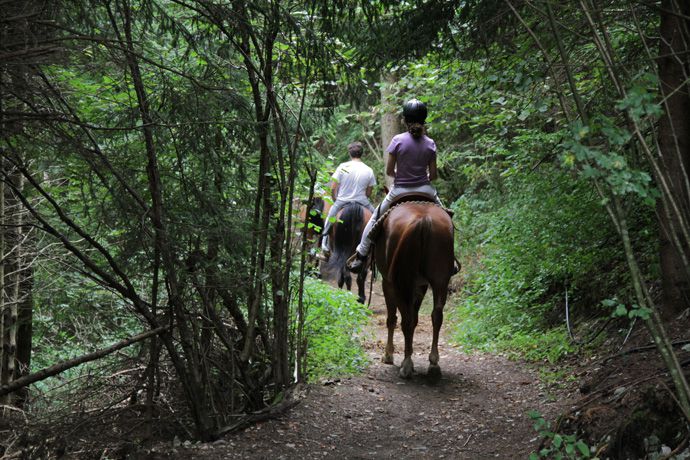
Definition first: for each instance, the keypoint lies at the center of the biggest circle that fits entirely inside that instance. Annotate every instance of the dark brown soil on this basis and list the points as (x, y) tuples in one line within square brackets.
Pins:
[(617, 398), (626, 406), (477, 410)]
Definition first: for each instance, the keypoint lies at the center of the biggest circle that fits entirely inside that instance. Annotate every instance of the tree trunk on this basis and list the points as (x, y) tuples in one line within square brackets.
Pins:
[(189, 367), (24, 330), (674, 142), (13, 272), (4, 309), (390, 121)]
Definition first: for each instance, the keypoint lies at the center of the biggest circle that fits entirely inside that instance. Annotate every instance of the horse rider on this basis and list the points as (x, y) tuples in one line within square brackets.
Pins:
[(412, 163), (351, 182)]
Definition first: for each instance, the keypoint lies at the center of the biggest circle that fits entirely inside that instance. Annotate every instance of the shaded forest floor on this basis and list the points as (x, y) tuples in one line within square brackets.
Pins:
[(477, 410), (618, 402)]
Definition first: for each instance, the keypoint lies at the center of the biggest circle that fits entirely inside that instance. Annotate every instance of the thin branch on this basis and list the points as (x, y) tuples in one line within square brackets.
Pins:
[(70, 363)]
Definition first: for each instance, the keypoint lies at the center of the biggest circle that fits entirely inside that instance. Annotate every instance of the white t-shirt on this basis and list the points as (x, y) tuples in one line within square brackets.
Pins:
[(353, 178)]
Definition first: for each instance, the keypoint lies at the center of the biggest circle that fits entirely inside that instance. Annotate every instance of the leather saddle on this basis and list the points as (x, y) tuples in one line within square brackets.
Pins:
[(400, 199)]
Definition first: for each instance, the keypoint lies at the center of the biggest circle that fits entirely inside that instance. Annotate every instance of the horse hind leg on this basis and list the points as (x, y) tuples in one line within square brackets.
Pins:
[(347, 277), (391, 321), (344, 278), (408, 324), (361, 286), (440, 296)]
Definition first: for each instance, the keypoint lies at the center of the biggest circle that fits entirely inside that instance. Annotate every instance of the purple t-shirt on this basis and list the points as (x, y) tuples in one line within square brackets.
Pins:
[(412, 158)]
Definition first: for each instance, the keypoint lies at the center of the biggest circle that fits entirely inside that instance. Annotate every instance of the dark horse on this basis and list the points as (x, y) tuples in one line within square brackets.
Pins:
[(415, 251), (344, 236)]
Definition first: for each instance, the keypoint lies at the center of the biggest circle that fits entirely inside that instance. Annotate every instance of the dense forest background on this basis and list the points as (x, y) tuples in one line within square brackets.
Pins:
[(156, 155)]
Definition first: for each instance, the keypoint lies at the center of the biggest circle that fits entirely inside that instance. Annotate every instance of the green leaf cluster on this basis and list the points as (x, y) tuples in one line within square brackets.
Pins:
[(524, 241), (558, 446), (335, 327)]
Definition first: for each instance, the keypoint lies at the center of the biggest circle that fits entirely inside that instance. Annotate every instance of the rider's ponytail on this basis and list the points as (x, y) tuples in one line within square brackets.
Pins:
[(416, 129)]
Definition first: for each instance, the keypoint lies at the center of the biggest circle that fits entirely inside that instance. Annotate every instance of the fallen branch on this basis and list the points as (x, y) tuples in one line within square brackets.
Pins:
[(642, 349), (63, 366), (291, 400)]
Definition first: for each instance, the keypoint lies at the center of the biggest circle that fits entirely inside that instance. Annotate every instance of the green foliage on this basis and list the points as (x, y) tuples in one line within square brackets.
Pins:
[(522, 240), (609, 163), (72, 317), (556, 376), (334, 327), (622, 310), (558, 446)]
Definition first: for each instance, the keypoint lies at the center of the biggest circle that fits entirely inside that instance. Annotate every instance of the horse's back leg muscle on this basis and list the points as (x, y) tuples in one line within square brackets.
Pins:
[(419, 294), (361, 286), (440, 292), (391, 320), (408, 322)]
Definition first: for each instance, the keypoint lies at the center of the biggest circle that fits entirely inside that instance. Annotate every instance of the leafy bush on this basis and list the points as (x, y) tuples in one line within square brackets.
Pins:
[(523, 241), (334, 327), (72, 317), (558, 446)]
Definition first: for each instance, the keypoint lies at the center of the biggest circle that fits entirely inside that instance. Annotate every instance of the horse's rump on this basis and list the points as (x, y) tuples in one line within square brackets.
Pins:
[(419, 239), (345, 235), (416, 252)]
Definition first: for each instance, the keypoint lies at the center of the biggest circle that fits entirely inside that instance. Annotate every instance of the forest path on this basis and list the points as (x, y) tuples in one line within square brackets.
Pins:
[(477, 410)]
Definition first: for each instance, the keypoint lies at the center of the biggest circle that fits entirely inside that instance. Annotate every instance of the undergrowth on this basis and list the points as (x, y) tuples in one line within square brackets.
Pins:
[(334, 327), (524, 240)]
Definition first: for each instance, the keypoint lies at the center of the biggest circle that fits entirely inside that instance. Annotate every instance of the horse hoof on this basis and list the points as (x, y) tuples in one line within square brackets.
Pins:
[(434, 372), (361, 300), (387, 359), (406, 370)]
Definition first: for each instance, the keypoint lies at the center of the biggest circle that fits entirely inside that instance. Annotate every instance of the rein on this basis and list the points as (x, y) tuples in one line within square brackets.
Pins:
[(372, 264)]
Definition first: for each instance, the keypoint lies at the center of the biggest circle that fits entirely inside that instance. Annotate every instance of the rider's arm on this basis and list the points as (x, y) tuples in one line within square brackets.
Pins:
[(390, 166), (368, 191), (433, 172), (334, 190)]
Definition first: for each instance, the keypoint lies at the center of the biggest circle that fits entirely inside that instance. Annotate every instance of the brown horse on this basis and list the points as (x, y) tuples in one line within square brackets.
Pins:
[(415, 251), (345, 234)]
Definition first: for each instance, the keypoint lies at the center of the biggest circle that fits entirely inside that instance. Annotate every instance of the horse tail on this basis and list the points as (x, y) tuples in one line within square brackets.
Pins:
[(409, 256), (346, 237)]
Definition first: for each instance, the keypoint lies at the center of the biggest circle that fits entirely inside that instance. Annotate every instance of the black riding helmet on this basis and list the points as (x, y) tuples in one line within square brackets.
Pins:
[(414, 111)]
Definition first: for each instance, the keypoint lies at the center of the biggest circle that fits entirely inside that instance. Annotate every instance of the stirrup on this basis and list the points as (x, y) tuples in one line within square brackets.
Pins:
[(456, 267), (356, 262)]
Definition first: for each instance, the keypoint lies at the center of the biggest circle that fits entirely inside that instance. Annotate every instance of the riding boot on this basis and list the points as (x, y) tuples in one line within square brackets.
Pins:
[(356, 262), (325, 249), (450, 212)]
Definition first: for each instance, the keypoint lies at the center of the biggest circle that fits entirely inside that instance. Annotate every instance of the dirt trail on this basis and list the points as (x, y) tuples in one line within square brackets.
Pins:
[(477, 410)]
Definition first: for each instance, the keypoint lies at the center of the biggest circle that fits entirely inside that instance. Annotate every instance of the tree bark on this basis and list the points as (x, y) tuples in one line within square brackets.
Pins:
[(4, 309), (674, 144), (390, 120), (24, 330)]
